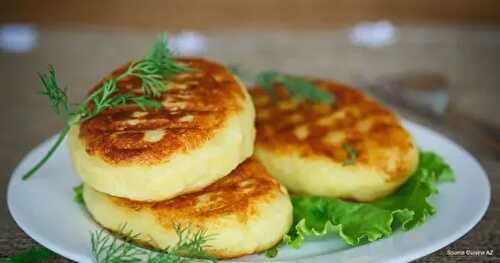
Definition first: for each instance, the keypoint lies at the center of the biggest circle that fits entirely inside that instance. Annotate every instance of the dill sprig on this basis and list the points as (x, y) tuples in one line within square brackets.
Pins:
[(58, 99), (235, 69), (35, 254), (157, 66), (154, 70), (299, 88), (353, 154), (190, 244), (109, 248), (78, 194), (272, 252)]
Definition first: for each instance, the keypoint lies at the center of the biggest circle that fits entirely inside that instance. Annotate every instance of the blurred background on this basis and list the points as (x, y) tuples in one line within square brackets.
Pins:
[(434, 62)]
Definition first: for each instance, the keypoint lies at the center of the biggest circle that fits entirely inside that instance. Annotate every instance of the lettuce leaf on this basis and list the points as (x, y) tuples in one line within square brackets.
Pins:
[(357, 223)]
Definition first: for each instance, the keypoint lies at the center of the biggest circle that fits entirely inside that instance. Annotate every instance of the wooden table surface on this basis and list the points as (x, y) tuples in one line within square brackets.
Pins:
[(468, 56)]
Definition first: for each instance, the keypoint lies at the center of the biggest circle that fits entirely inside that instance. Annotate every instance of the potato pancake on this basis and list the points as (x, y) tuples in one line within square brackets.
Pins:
[(245, 212), (204, 129), (353, 149)]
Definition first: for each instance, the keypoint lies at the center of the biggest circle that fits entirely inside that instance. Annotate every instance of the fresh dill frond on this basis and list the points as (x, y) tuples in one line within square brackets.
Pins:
[(303, 89), (190, 244), (59, 140), (58, 99), (168, 258), (353, 154), (157, 67), (78, 194), (106, 98), (152, 81), (266, 80), (110, 248), (235, 69), (36, 254), (154, 70), (272, 252), (159, 50), (103, 98), (161, 55), (143, 102), (299, 88)]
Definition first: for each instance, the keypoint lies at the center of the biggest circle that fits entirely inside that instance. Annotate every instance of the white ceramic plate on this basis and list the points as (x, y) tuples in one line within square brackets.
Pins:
[(44, 208)]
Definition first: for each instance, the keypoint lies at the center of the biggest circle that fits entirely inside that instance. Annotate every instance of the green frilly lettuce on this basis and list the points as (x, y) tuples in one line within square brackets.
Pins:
[(357, 223)]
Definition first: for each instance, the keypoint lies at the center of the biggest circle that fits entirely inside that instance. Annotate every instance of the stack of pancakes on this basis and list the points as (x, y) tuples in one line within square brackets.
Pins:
[(188, 163)]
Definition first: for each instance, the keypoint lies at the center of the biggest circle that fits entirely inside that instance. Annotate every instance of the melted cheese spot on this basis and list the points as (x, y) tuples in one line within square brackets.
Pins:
[(184, 96), (219, 78), (331, 119), (132, 122), (202, 201), (364, 125), (335, 138), (138, 114), (245, 183), (187, 118), (154, 135), (177, 86), (174, 105), (182, 76), (301, 132)]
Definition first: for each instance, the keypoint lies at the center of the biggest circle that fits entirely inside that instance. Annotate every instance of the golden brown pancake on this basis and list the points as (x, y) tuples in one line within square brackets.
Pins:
[(245, 212), (202, 132), (303, 144)]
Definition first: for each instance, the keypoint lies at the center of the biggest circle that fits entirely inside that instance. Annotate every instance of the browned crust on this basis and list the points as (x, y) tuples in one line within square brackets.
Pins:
[(281, 123), (197, 104), (236, 194)]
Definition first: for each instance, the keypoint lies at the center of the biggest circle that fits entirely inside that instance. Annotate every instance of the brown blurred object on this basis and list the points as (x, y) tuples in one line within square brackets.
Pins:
[(257, 14), (428, 94)]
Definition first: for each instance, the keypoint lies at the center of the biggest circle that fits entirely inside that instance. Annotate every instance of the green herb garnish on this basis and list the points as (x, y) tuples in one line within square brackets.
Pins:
[(58, 99), (154, 70), (158, 66), (35, 254), (78, 194), (235, 69), (272, 252), (109, 248), (299, 88), (353, 154)]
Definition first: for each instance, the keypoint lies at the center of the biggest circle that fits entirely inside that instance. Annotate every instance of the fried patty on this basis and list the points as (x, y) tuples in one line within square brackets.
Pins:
[(353, 148), (245, 212), (204, 129)]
